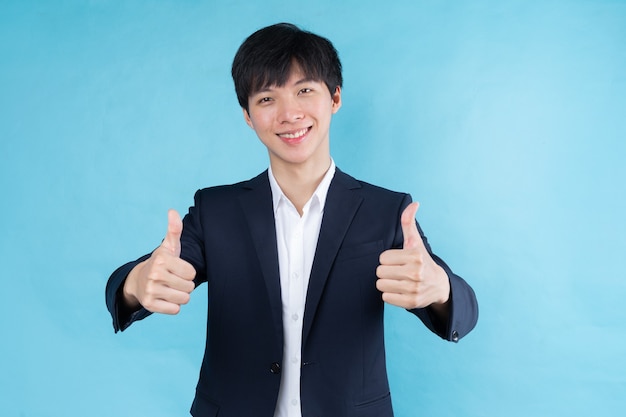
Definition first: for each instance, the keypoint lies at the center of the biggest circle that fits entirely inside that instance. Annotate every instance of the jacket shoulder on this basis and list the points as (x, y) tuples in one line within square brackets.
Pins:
[(368, 188), (232, 190)]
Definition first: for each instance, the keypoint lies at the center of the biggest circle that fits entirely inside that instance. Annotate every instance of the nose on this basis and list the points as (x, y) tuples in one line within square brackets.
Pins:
[(290, 111)]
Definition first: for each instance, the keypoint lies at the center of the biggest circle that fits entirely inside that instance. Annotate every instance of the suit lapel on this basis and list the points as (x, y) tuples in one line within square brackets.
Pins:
[(259, 212), (339, 210)]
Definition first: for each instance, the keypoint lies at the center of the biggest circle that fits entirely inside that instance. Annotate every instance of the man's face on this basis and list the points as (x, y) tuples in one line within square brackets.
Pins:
[(293, 121)]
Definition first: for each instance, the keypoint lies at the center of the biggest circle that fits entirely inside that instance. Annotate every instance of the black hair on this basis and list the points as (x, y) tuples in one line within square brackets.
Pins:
[(267, 56)]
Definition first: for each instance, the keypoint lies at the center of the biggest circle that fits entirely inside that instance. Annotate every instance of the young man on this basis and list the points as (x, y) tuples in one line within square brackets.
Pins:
[(298, 261)]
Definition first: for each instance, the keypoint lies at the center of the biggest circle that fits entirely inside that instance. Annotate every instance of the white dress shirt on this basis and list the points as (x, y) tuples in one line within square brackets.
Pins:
[(297, 239)]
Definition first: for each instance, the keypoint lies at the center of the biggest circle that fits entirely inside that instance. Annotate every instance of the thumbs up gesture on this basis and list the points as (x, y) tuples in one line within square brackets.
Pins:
[(163, 282), (409, 277)]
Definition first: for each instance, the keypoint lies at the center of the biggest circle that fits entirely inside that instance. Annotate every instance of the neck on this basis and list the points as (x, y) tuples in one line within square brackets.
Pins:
[(299, 182)]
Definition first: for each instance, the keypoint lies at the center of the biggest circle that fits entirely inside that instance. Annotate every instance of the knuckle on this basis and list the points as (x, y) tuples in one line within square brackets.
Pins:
[(412, 289), (416, 300), (150, 288), (190, 275), (159, 256), (152, 276), (414, 275), (417, 257)]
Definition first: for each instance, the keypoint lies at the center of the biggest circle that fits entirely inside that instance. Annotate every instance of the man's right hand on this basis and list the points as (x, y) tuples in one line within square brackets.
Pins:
[(163, 282)]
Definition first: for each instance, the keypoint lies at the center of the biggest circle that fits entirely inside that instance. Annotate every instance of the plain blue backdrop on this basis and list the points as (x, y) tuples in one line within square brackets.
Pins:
[(505, 119)]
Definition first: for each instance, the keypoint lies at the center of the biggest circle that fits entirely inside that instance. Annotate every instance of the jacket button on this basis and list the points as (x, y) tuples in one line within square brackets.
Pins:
[(275, 368), (455, 336)]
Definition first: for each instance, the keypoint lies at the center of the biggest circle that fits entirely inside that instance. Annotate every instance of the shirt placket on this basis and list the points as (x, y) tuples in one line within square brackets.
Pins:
[(296, 300)]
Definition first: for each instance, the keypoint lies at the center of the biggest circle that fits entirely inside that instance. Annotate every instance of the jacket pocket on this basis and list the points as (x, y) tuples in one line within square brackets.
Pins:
[(379, 406), (361, 250)]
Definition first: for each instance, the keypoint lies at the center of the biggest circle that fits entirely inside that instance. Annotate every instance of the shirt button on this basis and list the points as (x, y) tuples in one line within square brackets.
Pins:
[(294, 402), (295, 317), (295, 275), (294, 360)]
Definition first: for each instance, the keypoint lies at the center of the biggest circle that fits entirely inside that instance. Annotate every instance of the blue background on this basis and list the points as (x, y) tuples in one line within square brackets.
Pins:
[(505, 119)]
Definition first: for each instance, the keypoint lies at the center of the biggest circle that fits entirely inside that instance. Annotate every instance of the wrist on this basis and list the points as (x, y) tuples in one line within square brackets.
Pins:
[(129, 288), (445, 287)]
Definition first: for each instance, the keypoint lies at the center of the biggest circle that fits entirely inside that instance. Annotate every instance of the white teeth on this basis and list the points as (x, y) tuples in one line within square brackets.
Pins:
[(294, 135)]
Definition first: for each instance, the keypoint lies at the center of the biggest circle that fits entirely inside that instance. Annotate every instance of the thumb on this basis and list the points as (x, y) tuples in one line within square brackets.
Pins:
[(412, 238), (174, 230)]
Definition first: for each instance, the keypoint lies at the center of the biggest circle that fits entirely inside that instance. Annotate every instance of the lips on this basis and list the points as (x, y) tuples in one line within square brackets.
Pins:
[(295, 136)]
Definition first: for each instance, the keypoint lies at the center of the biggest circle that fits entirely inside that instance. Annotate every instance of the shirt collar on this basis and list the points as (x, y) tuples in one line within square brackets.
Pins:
[(319, 194)]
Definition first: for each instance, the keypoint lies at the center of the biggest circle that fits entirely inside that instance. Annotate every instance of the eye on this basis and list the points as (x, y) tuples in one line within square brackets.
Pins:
[(264, 100), (305, 90)]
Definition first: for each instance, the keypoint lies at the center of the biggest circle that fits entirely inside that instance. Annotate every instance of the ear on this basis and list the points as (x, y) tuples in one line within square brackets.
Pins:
[(246, 117), (336, 99)]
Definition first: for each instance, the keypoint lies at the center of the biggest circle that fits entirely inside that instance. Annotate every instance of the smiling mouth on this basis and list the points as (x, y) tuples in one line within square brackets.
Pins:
[(296, 136)]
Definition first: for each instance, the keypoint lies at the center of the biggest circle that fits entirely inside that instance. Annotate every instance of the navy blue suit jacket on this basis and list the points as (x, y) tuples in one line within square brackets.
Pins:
[(230, 239)]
